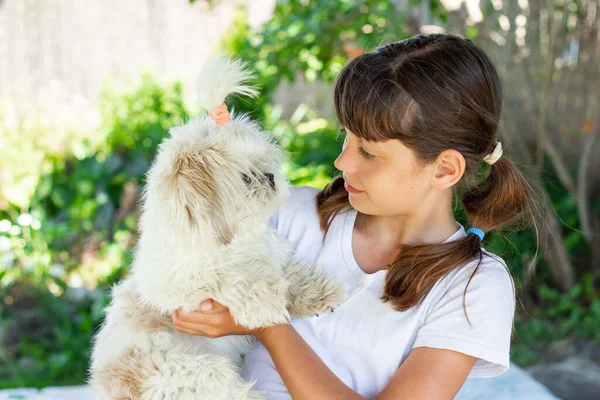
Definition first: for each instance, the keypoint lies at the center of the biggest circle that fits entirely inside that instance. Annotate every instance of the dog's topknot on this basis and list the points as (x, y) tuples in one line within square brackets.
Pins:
[(221, 76)]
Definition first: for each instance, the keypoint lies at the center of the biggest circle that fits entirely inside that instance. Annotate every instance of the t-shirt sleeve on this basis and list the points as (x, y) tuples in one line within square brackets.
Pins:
[(490, 305), (273, 220), (299, 210)]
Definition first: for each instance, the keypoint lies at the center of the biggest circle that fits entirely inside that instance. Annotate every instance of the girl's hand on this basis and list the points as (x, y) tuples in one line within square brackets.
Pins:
[(212, 320)]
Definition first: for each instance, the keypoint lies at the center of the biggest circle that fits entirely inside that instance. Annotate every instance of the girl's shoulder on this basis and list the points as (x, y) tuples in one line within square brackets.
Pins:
[(300, 202), (471, 310), (302, 196), (485, 279), (298, 214), (490, 269)]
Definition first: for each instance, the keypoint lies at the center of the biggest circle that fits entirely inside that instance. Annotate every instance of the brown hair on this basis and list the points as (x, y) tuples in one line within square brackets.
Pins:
[(432, 92)]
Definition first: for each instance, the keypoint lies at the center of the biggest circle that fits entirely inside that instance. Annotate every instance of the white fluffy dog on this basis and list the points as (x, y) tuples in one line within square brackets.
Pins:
[(205, 234)]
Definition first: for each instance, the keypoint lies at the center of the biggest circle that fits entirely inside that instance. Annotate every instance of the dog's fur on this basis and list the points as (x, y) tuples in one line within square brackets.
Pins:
[(205, 234)]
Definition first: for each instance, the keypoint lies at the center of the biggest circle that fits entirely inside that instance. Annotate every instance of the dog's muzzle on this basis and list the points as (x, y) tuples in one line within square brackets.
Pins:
[(271, 179), (267, 177)]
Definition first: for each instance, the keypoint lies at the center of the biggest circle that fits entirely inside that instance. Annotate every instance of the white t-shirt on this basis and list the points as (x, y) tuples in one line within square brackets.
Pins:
[(365, 340)]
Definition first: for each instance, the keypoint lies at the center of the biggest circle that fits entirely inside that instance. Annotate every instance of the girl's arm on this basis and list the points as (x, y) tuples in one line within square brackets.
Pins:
[(427, 373), (302, 371)]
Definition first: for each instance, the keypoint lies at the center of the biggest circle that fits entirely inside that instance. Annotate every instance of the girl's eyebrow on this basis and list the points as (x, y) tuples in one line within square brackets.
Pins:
[(373, 145)]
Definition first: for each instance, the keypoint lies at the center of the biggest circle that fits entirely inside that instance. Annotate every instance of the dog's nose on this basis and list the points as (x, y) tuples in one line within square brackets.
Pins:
[(271, 178)]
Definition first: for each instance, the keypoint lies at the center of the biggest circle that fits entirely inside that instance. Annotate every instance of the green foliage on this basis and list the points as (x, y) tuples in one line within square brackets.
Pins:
[(78, 228), (138, 118), (43, 136), (575, 313), (310, 38), (46, 337), (311, 147), (559, 318)]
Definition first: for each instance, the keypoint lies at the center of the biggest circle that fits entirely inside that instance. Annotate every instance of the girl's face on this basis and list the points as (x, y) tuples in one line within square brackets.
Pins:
[(382, 178)]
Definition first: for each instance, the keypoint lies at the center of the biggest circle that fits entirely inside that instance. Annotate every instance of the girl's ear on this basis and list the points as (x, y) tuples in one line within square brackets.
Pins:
[(447, 169)]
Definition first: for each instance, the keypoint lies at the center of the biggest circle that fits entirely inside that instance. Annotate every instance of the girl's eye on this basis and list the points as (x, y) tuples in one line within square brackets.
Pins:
[(366, 155), (363, 152)]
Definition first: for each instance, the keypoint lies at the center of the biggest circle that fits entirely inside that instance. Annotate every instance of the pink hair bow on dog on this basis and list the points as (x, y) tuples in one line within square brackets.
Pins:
[(220, 114)]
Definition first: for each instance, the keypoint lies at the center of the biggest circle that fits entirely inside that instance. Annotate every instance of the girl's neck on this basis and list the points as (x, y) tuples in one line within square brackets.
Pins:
[(390, 232)]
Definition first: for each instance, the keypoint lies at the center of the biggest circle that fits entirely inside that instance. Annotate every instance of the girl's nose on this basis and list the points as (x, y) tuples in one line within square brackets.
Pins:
[(345, 161)]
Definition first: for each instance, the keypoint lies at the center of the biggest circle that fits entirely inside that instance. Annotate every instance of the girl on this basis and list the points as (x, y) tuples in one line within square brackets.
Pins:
[(427, 306)]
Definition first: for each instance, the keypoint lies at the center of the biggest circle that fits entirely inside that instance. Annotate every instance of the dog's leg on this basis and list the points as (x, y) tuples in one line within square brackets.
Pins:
[(184, 376), (172, 375), (311, 291), (255, 295), (124, 377)]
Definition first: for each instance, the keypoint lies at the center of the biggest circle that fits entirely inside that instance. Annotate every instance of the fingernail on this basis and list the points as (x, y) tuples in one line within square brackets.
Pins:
[(206, 306)]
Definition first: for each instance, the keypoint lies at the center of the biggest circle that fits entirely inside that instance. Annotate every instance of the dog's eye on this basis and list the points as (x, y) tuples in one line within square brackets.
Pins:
[(267, 178), (247, 179), (271, 179)]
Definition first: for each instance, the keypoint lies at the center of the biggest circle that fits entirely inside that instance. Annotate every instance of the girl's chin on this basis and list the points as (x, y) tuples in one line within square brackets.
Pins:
[(357, 202)]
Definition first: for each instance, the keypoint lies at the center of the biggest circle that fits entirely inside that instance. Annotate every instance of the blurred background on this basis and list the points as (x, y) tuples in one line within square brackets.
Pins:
[(89, 88)]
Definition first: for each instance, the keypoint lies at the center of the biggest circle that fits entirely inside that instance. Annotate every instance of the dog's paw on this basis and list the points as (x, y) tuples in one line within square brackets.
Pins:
[(330, 297), (312, 291), (259, 313)]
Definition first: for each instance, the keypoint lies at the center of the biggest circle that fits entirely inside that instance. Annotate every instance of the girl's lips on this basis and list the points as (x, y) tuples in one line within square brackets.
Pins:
[(351, 189)]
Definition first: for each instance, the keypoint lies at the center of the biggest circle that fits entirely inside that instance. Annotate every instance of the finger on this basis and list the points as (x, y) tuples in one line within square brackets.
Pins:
[(176, 314), (212, 319), (212, 306), (222, 121), (196, 329), (195, 317), (190, 332), (218, 307), (203, 334)]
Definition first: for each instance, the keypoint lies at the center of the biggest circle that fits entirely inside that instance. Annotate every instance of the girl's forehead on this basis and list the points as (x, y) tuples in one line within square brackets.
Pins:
[(378, 143)]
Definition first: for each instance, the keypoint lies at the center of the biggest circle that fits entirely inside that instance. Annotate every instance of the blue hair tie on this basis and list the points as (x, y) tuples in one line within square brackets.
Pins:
[(476, 231)]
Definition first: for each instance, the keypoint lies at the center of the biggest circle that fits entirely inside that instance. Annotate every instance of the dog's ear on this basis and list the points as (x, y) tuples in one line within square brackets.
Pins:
[(199, 201)]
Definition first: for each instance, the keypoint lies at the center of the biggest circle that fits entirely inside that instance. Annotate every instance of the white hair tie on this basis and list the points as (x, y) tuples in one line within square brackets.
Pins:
[(495, 155)]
